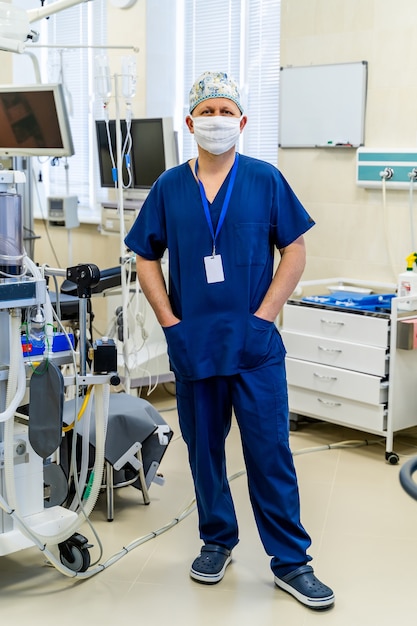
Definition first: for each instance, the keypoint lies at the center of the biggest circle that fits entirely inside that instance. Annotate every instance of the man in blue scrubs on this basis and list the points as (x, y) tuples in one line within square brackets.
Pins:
[(221, 216)]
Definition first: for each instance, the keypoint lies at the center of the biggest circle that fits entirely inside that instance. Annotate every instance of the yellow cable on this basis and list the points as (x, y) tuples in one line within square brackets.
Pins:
[(66, 429)]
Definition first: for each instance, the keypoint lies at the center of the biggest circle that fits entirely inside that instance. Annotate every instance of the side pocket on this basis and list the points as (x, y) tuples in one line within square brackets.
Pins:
[(177, 349), (261, 340)]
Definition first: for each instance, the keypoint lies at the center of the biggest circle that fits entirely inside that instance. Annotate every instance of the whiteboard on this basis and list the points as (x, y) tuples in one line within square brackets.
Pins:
[(322, 105)]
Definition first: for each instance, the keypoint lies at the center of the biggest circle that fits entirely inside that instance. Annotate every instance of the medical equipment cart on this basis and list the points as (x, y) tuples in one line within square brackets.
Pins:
[(345, 364)]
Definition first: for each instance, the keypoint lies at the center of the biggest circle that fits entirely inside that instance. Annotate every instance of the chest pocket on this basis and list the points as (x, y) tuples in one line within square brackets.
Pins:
[(252, 243)]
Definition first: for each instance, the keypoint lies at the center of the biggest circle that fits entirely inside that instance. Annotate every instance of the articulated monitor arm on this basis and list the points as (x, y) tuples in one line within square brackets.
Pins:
[(15, 23)]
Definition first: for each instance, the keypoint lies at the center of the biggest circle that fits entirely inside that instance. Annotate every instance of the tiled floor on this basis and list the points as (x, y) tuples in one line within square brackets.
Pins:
[(363, 526)]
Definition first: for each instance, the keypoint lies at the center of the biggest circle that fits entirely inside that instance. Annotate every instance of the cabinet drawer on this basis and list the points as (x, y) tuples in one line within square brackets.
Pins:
[(336, 325), (336, 381), (337, 410), (352, 356)]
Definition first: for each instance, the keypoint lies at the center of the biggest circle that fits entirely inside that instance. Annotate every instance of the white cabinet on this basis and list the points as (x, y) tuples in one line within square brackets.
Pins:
[(343, 366)]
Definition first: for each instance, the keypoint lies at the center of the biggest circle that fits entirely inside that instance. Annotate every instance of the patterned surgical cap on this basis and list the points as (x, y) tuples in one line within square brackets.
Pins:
[(214, 85)]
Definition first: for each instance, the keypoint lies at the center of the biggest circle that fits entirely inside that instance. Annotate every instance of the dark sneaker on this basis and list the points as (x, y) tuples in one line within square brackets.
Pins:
[(209, 567), (305, 587)]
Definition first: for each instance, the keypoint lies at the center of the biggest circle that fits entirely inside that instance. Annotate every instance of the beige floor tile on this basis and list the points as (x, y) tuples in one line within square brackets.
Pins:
[(363, 527)]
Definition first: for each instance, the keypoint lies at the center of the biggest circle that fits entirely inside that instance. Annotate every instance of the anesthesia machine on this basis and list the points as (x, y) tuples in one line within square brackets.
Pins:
[(32, 485)]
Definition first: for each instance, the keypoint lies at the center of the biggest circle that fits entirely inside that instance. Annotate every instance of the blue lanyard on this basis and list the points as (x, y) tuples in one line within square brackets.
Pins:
[(225, 203)]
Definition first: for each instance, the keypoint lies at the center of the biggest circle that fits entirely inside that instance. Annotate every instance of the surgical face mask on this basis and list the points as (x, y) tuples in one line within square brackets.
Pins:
[(216, 133)]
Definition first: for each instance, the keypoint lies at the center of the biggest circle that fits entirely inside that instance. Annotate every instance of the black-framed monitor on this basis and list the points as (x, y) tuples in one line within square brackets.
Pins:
[(154, 150), (104, 151), (34, 121)]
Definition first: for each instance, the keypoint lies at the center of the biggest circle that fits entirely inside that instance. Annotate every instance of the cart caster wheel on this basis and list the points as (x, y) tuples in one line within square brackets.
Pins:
[(392, 458), (293, 426), (74, 553)]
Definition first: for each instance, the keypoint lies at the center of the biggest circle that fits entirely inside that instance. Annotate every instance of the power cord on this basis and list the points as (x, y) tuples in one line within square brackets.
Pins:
[(191, 507)]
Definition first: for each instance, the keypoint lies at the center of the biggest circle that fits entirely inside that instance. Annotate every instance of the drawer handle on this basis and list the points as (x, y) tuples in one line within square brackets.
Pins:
[(331, 322), (324, 377), (328, 403), (329, 349)]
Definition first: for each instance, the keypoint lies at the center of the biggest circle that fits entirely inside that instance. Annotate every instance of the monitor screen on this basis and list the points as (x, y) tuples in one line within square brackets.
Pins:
[(153, 150), (34, 121), (148, 151)]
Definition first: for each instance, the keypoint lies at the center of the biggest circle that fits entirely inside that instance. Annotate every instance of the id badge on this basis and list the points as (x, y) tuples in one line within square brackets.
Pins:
[(214, 268)]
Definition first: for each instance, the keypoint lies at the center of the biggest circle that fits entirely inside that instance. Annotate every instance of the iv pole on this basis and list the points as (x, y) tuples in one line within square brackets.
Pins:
[(104, 88), (62, 48), (15, 31), (120, 204)]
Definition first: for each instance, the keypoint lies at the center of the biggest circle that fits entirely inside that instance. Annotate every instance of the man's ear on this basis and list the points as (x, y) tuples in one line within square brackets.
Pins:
[(189, 122)]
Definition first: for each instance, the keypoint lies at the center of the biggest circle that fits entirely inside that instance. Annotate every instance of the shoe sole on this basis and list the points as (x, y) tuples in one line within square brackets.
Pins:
[(210, 579), (313, 603)]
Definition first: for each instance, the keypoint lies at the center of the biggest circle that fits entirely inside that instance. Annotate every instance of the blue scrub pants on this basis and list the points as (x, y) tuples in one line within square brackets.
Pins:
[(260, 402)]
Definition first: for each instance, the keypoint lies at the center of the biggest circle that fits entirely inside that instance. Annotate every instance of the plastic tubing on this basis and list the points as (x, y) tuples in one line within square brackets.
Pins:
[(17, 376), (386, 229), (411, 212), (101, 414), (49, 329), (85, 435), (16, 385)]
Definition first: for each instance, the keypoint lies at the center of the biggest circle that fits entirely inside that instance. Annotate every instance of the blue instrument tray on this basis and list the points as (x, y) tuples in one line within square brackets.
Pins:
[(353, 300)]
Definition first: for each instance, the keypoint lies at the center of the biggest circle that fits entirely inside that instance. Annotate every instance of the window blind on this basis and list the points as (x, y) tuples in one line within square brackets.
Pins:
[(80, 27), (241, 37)]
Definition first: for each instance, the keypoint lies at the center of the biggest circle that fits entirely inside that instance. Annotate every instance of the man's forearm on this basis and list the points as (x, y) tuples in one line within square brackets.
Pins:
[(153, 285), (287, 275)]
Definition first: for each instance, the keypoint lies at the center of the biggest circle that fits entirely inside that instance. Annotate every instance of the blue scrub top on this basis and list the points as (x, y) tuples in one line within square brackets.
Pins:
[(218, 334)]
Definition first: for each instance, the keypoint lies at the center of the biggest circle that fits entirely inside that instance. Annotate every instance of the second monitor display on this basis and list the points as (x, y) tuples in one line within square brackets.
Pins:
[(153, 150)]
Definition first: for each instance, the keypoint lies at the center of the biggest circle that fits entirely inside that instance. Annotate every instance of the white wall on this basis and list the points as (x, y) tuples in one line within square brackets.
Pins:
[(353, 234), (127, 27), (161, 48)]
